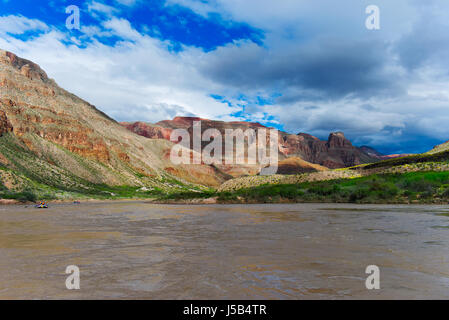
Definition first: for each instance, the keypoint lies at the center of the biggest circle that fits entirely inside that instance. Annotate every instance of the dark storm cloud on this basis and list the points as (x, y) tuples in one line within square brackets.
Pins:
[(330, 68), (427, 45)]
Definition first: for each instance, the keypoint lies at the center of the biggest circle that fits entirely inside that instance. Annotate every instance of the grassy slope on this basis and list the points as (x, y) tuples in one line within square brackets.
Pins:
[(416, 160), (440, 148), (424, 187), (415, 187), (418, 179)]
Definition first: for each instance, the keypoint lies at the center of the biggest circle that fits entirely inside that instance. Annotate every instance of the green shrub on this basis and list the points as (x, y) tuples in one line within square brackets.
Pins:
[(419, 185), (24, 196), (27, 196), (445, 193), (227, 196), (358, 195), (289, 192), (426, 194)]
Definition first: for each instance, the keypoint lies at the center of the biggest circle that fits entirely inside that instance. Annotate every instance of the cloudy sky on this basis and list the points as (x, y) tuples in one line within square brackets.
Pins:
[(298, 65)]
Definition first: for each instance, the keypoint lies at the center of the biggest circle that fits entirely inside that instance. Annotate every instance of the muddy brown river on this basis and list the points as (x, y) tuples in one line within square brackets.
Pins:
[(137, 250)]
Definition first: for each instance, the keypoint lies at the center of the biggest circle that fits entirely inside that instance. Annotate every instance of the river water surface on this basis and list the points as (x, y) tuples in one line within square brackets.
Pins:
[(137, 250)]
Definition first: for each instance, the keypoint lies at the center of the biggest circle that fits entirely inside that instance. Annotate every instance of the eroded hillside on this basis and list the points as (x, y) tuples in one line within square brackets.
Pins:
[(50, 137)]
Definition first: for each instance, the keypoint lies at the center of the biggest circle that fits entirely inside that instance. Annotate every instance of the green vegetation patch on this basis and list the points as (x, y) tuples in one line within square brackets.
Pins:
[(421, 187), (388, 188)]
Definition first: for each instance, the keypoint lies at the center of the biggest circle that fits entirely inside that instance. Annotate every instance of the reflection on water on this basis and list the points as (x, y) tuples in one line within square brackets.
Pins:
[(299, 251)]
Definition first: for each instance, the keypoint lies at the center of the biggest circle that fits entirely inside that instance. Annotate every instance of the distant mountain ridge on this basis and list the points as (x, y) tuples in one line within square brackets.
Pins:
[(336, 152), (376, 154)]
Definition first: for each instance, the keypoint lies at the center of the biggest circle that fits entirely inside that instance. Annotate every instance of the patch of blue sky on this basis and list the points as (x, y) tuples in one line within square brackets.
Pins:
[(221, 99), (267, 119), (177, 24), (181, 25), (268, 100), (27, 34)]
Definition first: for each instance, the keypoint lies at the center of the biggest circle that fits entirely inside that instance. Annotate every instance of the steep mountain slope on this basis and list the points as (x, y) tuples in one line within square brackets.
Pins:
[(51, 138)]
